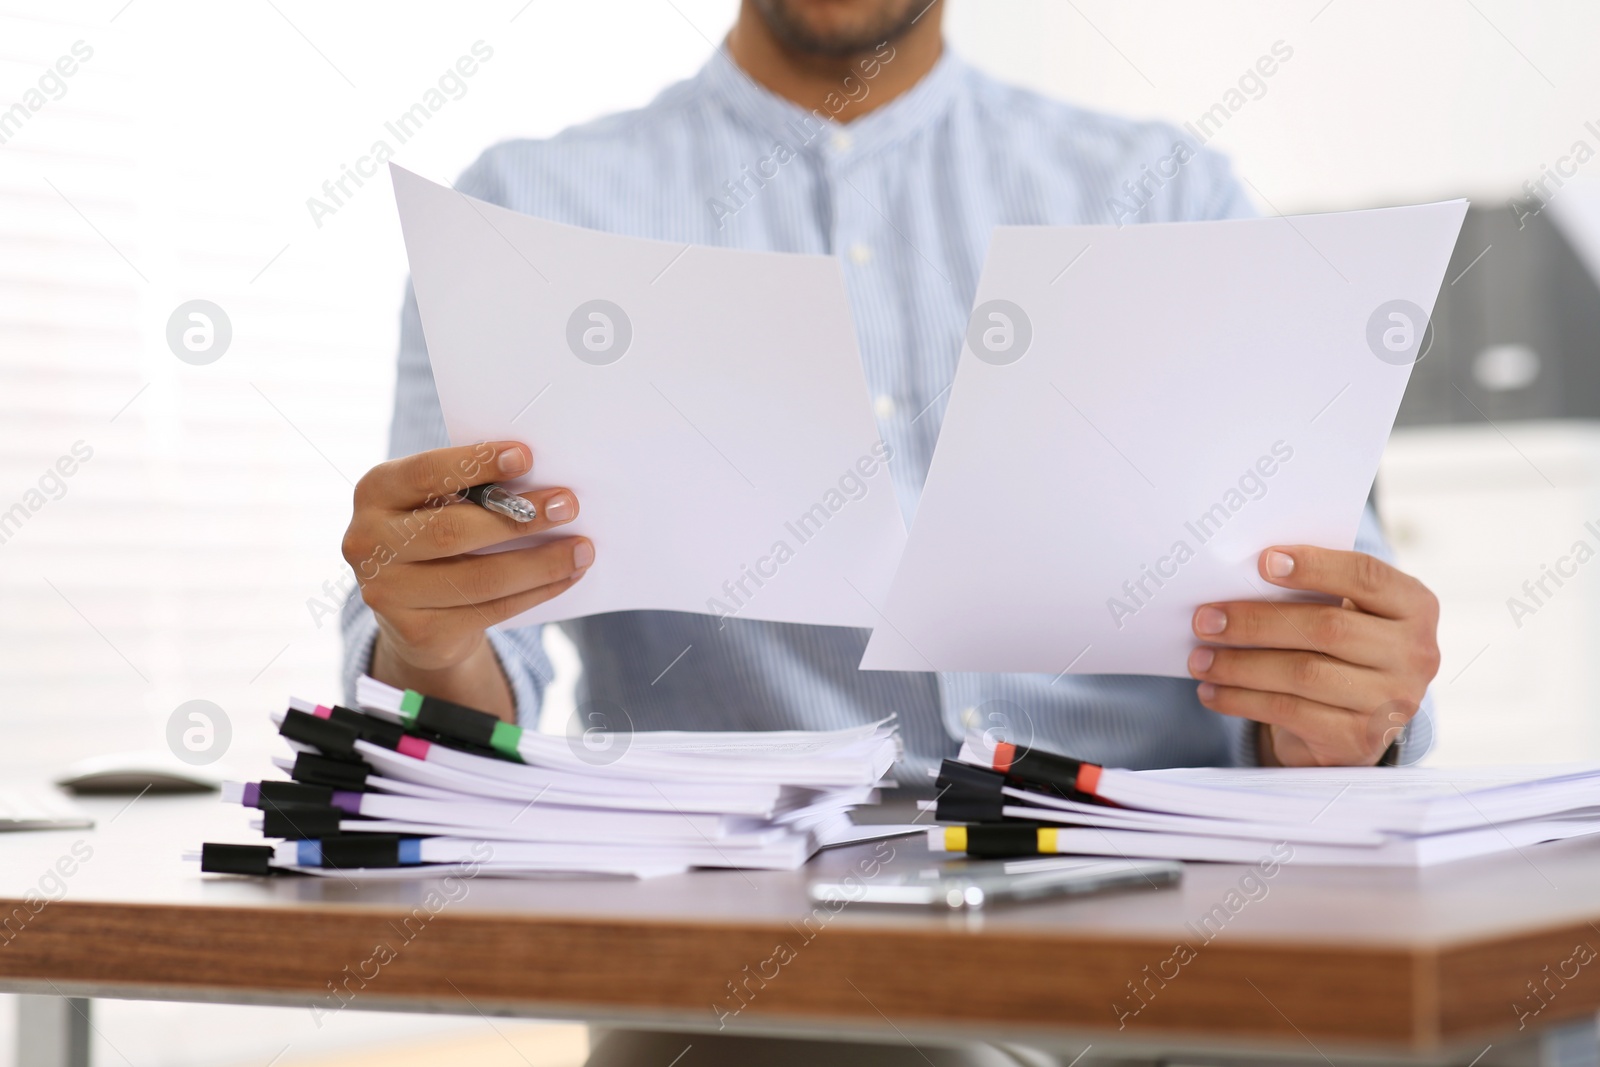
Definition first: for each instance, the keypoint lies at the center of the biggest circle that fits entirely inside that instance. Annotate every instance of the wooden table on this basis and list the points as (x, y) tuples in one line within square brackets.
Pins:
[(1308, 963)]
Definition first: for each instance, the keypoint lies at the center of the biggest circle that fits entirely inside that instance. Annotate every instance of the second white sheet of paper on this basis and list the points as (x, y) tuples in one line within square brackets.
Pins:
[(1138, 412), (707, 406)]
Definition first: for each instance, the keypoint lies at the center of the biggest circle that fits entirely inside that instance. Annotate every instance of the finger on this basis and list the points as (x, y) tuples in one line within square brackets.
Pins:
[(1340, 632), (1334, 735), (482, 579), (409, 482), (1303, 674), (1366, 581), (496, 612), (444, 530), (442, 627)]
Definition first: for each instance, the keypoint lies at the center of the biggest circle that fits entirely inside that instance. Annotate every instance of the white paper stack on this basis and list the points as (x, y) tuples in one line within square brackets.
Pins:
[(406, 785), (1335, 816)]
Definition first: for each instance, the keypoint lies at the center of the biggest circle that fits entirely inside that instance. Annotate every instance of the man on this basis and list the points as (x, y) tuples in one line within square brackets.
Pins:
[(843, 127)]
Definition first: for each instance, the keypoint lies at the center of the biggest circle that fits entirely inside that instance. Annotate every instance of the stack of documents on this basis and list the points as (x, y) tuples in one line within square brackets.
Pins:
[(415, 786), (1002, 800)]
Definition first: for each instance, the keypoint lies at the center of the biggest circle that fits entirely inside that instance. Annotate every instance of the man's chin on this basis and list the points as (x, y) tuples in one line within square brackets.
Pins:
[(838, 29)]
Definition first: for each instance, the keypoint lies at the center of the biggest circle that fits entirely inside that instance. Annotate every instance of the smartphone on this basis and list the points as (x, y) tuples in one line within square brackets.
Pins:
[(962, 884)]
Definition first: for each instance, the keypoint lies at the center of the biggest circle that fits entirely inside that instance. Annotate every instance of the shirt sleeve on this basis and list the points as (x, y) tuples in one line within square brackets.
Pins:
[(417, 426), (1221, 195), (1413, 739)]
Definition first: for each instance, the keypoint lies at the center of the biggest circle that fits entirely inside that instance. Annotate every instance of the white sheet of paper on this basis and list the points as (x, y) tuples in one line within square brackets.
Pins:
[(1156, 405), (713, 420)]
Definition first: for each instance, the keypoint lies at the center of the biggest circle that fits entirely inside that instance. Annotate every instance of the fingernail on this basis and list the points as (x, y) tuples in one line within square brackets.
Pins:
[(560, 508), (1210, 621), (582, 555), (1205, 691), (1279, 564), (512, 461), (1200, 660)]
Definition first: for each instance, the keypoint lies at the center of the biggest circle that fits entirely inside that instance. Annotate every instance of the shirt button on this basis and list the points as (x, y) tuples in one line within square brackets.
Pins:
[(860, 254), (842, 141), (883, 405)]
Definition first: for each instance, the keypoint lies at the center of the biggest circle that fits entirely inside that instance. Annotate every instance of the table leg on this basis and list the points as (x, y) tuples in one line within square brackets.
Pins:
[(52, 1031)]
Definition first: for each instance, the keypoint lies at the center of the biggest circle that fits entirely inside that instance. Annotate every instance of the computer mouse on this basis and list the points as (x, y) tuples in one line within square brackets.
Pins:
[(137, 772)]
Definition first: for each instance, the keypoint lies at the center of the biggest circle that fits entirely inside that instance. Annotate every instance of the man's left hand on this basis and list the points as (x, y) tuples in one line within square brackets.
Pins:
[(1331, 685)]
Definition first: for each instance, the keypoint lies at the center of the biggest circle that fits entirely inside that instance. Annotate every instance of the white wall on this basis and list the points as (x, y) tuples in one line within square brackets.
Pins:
[(183, 560), (1383, 101)]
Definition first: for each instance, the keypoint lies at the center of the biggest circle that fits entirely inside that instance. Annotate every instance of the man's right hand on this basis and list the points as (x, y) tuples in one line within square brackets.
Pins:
[(409, 543)]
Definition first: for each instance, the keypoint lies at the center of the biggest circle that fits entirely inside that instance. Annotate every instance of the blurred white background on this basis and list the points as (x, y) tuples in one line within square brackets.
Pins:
[(193, 555)]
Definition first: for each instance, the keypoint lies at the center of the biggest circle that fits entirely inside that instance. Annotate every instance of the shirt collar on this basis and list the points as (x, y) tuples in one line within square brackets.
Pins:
[(726, 84)]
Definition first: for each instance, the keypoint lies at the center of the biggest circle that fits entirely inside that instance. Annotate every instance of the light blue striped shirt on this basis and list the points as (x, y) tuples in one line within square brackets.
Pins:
[(907, 195)]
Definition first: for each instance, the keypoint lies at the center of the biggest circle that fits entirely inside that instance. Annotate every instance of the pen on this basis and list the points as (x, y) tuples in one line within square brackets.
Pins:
[(334, 731), (1046, 771), (271, 795), (996, 840), (416, 711), (502, 501), (312, 769), (365, 850)]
